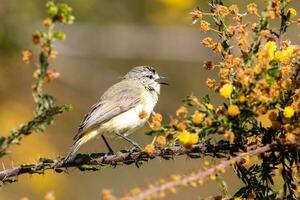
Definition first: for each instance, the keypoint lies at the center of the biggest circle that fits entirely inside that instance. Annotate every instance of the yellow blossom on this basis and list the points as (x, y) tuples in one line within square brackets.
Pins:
[(161, 140), (247, 161), (204, 26), (242, 98), (229, 135), (213, 177), (149, 149), (226, 90), (209, 106), (181, 112), (257, 69), (252, 8), (197, 117), (208, 121), (284, 55), (181, 126), (47, 22), (223, 10), (208, 42), (290, 137), (211, 83), (187, 139), (233, 9), (271, 48), (27, 56), (293, 12), (233, 110), (288, 112), (238, 198)]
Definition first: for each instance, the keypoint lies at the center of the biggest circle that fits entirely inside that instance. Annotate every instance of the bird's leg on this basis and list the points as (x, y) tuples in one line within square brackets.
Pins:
[(129, 140), (110, 151)]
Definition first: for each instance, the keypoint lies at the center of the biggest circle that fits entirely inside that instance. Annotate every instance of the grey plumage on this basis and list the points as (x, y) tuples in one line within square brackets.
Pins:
[(114, 101), (137, 91)]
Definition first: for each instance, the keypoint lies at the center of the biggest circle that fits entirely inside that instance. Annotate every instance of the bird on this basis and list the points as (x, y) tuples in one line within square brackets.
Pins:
[(122, 109)]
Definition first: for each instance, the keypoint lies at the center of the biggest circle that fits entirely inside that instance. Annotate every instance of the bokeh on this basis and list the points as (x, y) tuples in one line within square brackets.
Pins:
[(108, 38)]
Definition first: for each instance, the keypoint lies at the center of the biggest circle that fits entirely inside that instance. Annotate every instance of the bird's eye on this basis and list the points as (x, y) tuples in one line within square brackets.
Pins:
[(149, 76)]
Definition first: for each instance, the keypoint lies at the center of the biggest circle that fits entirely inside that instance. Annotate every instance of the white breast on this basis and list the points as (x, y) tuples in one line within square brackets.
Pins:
[(130, 120)]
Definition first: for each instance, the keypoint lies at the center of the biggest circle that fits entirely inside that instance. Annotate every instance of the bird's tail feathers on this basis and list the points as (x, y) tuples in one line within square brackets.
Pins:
[(78, 144), (72, 151)]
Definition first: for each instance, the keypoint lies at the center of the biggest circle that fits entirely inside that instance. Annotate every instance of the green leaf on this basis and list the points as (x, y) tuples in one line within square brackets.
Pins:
[(70, 19), (274, 72), (269, 79), (205, 99), (59, 35), (52, 10)]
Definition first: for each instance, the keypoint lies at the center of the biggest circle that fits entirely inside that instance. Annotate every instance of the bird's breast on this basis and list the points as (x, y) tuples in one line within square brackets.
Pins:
[(132, 119)]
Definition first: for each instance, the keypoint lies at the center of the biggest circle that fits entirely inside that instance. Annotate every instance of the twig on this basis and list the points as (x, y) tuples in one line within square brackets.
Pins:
[(17, 134), (96, 161), (153, 191)]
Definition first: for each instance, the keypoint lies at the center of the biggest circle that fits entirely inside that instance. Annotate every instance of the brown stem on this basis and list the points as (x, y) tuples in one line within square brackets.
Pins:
[(94, 161), (201, 175)]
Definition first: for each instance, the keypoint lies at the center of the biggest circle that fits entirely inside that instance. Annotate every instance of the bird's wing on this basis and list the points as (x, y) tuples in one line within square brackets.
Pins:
[(114, 101)]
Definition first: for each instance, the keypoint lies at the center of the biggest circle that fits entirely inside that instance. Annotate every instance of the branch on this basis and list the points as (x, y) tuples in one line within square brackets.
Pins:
[(96, 161), (198, 177), (45, 104), (33, 125)]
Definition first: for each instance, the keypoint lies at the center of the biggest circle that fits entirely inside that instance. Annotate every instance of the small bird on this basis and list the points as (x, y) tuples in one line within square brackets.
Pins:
[(123, 108)]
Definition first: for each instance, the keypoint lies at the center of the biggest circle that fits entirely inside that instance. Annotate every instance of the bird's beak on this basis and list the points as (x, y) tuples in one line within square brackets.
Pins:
[(161, 79)]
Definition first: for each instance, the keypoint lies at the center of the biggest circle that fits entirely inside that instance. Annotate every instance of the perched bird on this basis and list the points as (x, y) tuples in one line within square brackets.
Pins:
[(122, 109)]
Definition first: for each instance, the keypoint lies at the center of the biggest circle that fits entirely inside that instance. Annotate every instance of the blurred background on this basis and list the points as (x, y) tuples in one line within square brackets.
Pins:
[(108, 38)]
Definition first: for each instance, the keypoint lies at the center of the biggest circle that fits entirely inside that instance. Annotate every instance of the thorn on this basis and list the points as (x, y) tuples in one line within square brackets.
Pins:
[(12, 164)]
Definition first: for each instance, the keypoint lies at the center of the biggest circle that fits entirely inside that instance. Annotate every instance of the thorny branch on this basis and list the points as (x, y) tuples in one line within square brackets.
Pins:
[(153, 191), (96, 161), (45, 104)]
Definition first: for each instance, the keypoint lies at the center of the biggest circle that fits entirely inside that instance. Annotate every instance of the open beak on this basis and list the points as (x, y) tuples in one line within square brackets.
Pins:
[(161, 81)]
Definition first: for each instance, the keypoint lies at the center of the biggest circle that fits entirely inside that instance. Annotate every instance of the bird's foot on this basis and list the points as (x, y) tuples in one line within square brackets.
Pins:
[(136, 145)]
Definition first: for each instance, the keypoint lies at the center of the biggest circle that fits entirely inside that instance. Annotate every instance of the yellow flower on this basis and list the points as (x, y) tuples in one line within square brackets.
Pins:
[(223, 10), (229, 135), (204, 26), (233, 9), (27, 56), (242, 98), (161, 140), (197, 117), (47, 22), (226, 90), (293, 12), (285, 54), (213, 177), (288, 112), (257, 69), (238, 198), (209, 106), (252, 8), (187, 139), (271, 48), (181, 112), (233, 110), (290, 137), (150, 149)]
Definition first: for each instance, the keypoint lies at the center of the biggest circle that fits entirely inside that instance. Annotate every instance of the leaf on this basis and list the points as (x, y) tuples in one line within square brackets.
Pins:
[(274, 72)]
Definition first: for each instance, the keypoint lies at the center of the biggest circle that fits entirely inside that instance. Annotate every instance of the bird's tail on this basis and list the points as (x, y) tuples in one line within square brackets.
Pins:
[(73, 150), (86, 137)]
